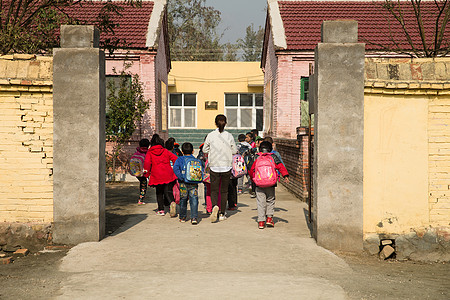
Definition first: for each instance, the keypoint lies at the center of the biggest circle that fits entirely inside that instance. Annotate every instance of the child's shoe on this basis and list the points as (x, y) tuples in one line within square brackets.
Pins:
[(214, 213), (194, 221), (173, 209), (141, 202), (160, 213), (269, 222), (222, 217), (261, 225)]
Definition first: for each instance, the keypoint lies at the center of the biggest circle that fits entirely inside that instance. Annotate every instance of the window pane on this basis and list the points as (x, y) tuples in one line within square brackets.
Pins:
[(232, 117), (246, 118), (175, 100), (189, 117), (231, 100), (259, 99), (175, 117), (246, 99), (306, 85), (259, 119), (190, 100)]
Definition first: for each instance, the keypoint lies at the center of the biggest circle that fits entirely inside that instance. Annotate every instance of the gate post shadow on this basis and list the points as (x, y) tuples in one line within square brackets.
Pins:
[(79, 137)]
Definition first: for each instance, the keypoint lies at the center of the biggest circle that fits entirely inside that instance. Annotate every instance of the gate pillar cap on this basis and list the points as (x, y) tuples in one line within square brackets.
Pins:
[(79, 36), (340, 31)]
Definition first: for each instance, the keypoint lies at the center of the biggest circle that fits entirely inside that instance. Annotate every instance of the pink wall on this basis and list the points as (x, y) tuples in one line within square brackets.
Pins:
[(152, 68), (143, 65), (286, 70)]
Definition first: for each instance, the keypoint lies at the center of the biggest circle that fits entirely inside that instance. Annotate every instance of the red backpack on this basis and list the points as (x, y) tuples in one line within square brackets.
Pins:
[(265, 171)]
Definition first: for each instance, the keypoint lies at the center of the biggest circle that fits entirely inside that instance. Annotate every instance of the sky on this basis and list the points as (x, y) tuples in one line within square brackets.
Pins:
[(237, 15)]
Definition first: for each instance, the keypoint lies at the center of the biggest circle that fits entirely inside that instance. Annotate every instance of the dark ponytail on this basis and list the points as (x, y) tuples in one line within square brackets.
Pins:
[(221, 121)]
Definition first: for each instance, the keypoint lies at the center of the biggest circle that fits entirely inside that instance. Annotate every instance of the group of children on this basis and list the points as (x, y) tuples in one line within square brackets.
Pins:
[(176, 175)]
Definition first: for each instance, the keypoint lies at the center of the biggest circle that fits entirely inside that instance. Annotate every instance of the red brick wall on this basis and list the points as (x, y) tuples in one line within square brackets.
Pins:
[(295, 156)]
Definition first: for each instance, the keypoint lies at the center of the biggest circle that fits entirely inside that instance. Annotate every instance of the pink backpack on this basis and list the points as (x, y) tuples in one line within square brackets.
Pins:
[(239, 167), (136, 167), (265, 171), (176, 192)]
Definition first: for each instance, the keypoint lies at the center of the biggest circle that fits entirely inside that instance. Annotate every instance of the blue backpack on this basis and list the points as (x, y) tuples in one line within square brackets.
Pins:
[(192, 171)]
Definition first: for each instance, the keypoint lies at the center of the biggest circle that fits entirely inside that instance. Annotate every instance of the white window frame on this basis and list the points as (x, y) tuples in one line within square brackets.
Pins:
[(239, 107), (182, 107)]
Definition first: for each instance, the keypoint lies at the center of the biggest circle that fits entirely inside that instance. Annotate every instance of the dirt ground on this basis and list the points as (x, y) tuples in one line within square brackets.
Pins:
[(37, 277)]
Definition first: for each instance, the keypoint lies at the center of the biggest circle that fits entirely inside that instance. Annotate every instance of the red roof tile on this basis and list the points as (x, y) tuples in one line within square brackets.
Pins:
[(302, 21), (132, 21)]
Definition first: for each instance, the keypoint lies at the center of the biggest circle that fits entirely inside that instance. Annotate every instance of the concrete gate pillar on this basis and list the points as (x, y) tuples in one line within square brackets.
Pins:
[(339, 129), (79, 136)]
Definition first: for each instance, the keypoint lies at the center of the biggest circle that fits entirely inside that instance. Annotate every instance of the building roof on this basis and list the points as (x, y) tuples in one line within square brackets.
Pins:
[(139, 27), (296, 25)]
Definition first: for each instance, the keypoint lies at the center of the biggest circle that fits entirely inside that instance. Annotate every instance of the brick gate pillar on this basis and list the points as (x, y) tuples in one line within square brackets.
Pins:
[(339, 129), (79, 136)]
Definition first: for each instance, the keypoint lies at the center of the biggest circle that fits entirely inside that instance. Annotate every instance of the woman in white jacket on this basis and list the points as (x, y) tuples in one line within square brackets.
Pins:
[(220, 147)]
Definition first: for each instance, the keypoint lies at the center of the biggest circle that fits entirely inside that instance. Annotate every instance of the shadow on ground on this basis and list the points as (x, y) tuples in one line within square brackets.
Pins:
[(121, 203)]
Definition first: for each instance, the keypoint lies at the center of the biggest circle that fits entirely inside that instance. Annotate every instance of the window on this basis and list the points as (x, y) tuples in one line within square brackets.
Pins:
[(304, 104), (304, 88), (244, 110), (183, 110)]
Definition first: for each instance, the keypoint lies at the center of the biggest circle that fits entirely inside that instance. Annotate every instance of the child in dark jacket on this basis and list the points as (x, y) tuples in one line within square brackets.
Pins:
[(141, 151), (265, 196), (187, 190), (157, 167)]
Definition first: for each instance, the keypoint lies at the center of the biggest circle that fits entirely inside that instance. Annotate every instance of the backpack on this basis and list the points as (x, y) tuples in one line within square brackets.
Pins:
[(137, 164), (265, 171), (192, 170), (243, 149), (176, 192), (249, 157), (239, 166)]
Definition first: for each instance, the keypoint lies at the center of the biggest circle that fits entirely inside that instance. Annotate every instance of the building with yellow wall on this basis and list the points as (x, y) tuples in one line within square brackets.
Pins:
[(198, 91)]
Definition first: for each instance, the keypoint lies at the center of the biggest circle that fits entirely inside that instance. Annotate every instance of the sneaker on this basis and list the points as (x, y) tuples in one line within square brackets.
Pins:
[(222, 217), (232, 208), (252, 195), (182, 220), (214, 213), (141, 202), (173, 209), (194, 221), (261, 225), (160, 213), (269, 222), (239, 191)]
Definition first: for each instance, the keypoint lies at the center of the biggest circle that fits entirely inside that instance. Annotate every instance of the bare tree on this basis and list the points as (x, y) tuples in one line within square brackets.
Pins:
[(30, 25), (427, 16)]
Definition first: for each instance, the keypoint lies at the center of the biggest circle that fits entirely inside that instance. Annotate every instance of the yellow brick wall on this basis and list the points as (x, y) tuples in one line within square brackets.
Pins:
[(439, 159), (26, 138), (415, 95)]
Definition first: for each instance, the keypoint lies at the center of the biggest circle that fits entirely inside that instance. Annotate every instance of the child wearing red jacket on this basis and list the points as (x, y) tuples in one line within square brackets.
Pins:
[(264, 174), (157, 166)]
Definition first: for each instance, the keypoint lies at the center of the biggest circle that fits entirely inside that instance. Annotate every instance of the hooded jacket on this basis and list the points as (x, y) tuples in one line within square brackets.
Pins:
[(157, 165)]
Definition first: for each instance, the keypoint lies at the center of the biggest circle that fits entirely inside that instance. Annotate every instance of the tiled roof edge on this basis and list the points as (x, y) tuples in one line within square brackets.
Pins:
[(278, 33), (155, 23)]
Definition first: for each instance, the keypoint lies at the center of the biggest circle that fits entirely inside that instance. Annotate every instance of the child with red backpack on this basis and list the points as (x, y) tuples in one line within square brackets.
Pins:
[(137, 167), (264, 174)]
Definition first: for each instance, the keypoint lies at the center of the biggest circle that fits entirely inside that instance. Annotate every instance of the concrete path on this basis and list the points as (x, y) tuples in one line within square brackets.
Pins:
[(155, 257)]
